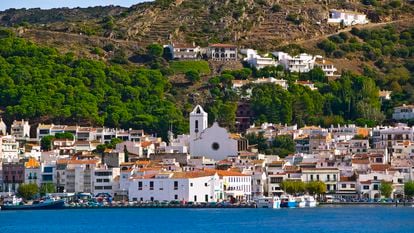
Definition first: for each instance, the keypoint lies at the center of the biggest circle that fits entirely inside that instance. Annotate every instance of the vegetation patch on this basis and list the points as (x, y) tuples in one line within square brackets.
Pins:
[(182, 67)]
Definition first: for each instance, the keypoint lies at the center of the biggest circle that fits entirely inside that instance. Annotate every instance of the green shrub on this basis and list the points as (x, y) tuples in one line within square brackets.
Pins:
[(276, 7), (395, 4)]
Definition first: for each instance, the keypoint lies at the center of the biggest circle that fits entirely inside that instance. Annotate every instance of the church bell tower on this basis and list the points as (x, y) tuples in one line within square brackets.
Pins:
[(198, 122)]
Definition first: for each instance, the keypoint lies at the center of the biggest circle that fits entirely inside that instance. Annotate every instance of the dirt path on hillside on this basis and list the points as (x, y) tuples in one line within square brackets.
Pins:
[(364, 26)]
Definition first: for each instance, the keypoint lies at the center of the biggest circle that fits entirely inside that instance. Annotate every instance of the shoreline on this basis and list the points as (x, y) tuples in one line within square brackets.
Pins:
[(235, 207)]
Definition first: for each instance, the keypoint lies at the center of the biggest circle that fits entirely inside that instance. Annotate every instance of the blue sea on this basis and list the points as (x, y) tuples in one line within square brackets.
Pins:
[(322, 219)]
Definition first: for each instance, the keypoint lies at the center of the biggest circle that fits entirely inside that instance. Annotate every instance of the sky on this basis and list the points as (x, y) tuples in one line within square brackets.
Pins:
[(48, 4)]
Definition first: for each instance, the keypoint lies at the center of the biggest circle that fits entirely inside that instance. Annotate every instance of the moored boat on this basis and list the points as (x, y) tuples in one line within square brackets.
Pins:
[(310, 201), (300, 202), (268, 202), (287, 202), (46, 204)]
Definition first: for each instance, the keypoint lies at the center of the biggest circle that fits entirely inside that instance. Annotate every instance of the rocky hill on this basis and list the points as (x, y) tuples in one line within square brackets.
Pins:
[(261, 24)]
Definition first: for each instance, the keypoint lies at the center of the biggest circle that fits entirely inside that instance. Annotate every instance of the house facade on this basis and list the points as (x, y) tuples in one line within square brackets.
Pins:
[(222, 52)]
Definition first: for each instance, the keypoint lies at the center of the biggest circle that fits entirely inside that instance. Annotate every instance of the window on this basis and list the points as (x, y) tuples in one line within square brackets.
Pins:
[(191, 184), (376, 187), (215, 146), (375, 178), (151, 185), (317, 177), (152, 198), (196, 124), (205, 184), (140, 185), (311, 177), (328, 177), (195, 197), (48, 169), (206, 198), (175, 185), (353, 186), (103, 173), (175, 197), (343, 186), (366, 187)]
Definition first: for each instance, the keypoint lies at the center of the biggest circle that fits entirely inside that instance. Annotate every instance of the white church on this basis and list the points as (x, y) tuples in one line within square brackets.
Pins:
[(213, 142)]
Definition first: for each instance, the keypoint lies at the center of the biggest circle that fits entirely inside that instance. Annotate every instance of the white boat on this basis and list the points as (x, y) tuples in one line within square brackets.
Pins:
[(268, 202), (310, 201), (300, 202), (287, 201)]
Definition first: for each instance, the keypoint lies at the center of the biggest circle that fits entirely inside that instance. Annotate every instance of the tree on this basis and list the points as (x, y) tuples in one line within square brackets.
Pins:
[(46, 143), (386, 189), (257, 139), (192, 76), (27, 191), (316, 187), (155, 50), (65, 135), (292, 187), (47, 188), (283, 145), (409, 189), (317, 75), (328, 46), (114, 142)]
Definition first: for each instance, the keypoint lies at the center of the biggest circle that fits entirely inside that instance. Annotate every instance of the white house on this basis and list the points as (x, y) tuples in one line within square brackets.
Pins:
[(78, 175), (32, 172), (327, 67), (20, 129), (3, 127), (257, 61), (301, 63), (281, 82), (309, 84), (347, 18), (330, 176), (404, 112), (9, 149), (104, 180), (222, 52), (385, 137), (236, 185), (197, 186), (184, 51), (214, 142)]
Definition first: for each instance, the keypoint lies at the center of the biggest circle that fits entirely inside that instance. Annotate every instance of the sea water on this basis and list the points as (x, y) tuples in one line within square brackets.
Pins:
[(322, 219)]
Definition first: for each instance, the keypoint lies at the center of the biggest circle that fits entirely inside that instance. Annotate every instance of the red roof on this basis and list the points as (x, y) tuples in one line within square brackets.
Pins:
[(223, 45)]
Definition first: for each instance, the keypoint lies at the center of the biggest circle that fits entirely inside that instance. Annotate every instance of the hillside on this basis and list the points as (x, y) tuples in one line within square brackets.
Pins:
[(93, 66), (261, 24)]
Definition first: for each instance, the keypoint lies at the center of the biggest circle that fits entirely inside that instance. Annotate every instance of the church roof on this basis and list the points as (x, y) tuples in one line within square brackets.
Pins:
[(198, 110)]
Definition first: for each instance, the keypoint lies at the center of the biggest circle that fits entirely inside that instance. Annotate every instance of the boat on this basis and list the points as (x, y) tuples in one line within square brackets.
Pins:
[(268, 202), (300, 202), (46, 204), (287, 202), (310, 201)]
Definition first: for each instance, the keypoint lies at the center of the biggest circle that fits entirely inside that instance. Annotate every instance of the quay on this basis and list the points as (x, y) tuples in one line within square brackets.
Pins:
[(218, 206)]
